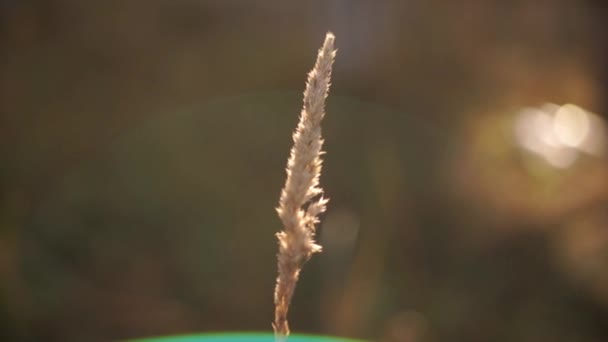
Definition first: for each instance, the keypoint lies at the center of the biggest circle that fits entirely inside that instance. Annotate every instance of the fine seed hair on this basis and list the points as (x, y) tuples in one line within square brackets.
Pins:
[(301, 200)]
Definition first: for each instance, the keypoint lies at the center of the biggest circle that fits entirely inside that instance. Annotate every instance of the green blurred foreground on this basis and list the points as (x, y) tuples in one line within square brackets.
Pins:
[(242, 337)]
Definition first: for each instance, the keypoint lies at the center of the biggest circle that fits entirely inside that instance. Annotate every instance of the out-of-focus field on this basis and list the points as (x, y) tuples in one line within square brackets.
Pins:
[(143, 146)]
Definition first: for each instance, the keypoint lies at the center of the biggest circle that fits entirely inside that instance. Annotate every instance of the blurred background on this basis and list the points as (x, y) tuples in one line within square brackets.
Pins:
[(143, 146)]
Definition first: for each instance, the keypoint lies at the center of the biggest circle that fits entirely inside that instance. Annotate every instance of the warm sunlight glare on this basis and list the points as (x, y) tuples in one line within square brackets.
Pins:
[(571, 125), (559, 134)]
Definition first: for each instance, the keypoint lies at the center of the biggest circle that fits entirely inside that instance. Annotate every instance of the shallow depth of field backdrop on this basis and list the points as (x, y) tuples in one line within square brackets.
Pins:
[(143, 145)]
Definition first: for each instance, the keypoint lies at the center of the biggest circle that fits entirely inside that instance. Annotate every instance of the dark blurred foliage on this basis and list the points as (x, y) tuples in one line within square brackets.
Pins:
[(142, 148)]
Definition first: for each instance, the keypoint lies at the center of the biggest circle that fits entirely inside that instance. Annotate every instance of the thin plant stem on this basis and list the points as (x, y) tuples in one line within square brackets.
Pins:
[(301, 199)]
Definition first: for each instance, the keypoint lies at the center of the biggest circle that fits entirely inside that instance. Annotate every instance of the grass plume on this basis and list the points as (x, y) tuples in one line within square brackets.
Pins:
[(301, 199)]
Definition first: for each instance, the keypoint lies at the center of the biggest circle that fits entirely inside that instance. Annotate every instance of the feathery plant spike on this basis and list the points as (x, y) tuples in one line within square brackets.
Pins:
[(301, 199)]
